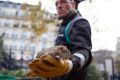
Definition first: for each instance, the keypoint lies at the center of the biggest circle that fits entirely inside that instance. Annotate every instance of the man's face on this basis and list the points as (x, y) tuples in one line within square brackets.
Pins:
[(64, 7)]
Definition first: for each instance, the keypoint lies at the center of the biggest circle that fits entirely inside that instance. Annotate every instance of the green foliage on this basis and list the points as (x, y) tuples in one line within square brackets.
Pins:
[(104, 74), (117, 63), (39, 18), (19, 74), (93, 73), (2, 51), (16, 73)]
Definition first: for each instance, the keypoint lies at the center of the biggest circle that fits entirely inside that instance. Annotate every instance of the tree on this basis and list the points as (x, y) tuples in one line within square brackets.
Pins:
[(93, 73), (37, 17), (6, 61), (117, 63), (2, 51), (104, 74), (3, 54)]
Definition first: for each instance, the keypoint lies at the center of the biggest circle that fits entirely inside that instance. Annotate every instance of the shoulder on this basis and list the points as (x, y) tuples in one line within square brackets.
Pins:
[(81, 20), (81, 26), (81, 23)]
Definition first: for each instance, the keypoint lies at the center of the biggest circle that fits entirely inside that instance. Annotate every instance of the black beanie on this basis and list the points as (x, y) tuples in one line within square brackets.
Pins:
[(77, 2)]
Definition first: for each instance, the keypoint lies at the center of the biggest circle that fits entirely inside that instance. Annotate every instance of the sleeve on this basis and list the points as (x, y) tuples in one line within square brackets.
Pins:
[(81, 45)]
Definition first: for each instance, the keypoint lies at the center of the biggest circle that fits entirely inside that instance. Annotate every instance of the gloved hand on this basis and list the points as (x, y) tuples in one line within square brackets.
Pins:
[(49, 66), (59, 52)]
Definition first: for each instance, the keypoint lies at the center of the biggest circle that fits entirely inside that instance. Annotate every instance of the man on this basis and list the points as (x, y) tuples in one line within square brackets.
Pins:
[(80, 35), (80, 46)]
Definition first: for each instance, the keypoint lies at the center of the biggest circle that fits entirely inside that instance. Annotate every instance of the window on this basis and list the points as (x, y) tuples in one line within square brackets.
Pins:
[(16, 14), (24, 35), (6, 35), (22, 47), (6, 24), (16, 25), (14, 35), (31, 48), (24, 26), (15, 5), (13, 46), (6, 46), (6, 4), (0, 9)]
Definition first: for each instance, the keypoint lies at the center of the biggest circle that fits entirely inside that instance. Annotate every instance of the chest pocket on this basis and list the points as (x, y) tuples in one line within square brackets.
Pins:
[(61, 37)]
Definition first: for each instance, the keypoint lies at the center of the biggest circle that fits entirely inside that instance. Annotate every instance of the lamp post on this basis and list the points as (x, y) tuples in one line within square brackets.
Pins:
[(10, 58), (22, 52), (113, 72)]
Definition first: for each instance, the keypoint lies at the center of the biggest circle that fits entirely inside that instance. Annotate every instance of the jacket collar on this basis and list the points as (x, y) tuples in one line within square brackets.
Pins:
[(69, 17)]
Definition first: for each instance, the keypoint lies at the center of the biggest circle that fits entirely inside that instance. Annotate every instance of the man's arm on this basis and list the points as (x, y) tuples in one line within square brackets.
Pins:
[(81, 45)]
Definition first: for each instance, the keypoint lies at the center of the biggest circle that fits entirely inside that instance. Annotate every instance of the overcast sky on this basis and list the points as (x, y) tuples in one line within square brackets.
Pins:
[(47, 4)]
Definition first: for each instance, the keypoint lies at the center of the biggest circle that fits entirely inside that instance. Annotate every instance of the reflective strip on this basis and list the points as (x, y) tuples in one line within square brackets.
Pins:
[(82, 58)]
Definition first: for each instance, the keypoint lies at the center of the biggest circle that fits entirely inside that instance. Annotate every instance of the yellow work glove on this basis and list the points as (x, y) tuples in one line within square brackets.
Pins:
[(49, 66)]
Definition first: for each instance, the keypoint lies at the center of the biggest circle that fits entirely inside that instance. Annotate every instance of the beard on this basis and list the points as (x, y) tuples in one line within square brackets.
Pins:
[(67, 15), (60, 17)]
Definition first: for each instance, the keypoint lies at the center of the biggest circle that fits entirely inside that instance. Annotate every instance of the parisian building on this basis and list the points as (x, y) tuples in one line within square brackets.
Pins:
[(15, 27), (19, 40)]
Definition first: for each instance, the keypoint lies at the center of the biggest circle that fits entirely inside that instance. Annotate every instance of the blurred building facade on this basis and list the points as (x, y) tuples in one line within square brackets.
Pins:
[(18, 36), (109, 61), (104, 61), (15, 26)]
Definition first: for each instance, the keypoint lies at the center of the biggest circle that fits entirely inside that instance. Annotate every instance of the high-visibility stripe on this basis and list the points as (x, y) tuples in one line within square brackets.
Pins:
[(82, 58)]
